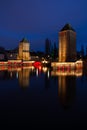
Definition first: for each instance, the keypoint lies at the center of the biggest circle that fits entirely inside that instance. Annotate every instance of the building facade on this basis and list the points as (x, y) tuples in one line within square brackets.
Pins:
[(24, 49), (67, 44)]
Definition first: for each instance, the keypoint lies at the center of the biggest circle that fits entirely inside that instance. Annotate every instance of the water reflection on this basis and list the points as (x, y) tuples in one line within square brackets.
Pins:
[(45, 97), (3, 75), (22, 74), (67, 86), (66, 81), (24, 77), (66, 90), (47, 79), (76, 73)]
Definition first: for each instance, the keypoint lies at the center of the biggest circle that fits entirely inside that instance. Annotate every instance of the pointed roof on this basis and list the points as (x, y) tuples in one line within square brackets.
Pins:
[(24, 40), (67, 27)]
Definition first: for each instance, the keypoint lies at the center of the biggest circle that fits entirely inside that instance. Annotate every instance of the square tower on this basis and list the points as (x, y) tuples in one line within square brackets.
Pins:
[(24, 48), (67, 44)]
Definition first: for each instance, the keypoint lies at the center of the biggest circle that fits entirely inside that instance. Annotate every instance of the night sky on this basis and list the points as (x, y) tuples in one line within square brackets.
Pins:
[(40, 19)]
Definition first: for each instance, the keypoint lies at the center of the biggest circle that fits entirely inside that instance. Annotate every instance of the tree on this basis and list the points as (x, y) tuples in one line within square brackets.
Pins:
[(86, 51), (55, 51), (47, 46), (82, 51)]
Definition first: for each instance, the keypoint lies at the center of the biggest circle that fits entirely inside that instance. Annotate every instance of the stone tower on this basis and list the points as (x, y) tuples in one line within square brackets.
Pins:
[(67, 44), (24, 48)]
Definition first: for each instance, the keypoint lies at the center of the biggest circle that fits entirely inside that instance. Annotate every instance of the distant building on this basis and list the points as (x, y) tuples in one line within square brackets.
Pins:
[(2, 54), (12, 54), (37, 56), (24, 49), (67, 44)]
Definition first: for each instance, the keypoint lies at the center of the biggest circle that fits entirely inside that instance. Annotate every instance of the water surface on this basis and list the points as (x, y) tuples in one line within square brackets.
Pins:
[(43, 98)]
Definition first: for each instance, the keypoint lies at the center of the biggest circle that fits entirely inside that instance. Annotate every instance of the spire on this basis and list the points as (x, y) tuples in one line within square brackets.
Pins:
[(24, 40), (67, 27)]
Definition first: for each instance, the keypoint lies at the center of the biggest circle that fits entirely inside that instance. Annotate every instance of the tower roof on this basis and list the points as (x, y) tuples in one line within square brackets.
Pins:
[(67, 27), (24, 40)]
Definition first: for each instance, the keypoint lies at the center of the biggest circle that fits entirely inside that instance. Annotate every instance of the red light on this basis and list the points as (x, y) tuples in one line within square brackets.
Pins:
[(39, 67), (37, 64)]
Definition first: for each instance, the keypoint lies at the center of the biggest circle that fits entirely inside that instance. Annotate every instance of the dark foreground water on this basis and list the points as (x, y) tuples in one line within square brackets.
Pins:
[(41, 98)]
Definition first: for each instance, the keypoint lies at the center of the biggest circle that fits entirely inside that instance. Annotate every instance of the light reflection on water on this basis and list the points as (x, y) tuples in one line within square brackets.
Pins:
[(48, 94)]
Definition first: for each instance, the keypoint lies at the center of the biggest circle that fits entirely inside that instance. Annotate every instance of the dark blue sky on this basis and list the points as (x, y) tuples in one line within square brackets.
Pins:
[(40, 19)]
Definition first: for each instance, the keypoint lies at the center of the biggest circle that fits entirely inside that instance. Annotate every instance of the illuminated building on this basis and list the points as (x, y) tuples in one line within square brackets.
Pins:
[(67, 44), (24, 48)]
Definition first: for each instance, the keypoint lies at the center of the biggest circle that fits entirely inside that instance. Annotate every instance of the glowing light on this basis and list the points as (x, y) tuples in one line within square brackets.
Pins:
[(17, 75), (37, 64), (44, 69), (32, 67), (48, 74), (67, 65), (37, 72), (11, 74), (39, 67), (11, 55), (44, 61), (67, 73)]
